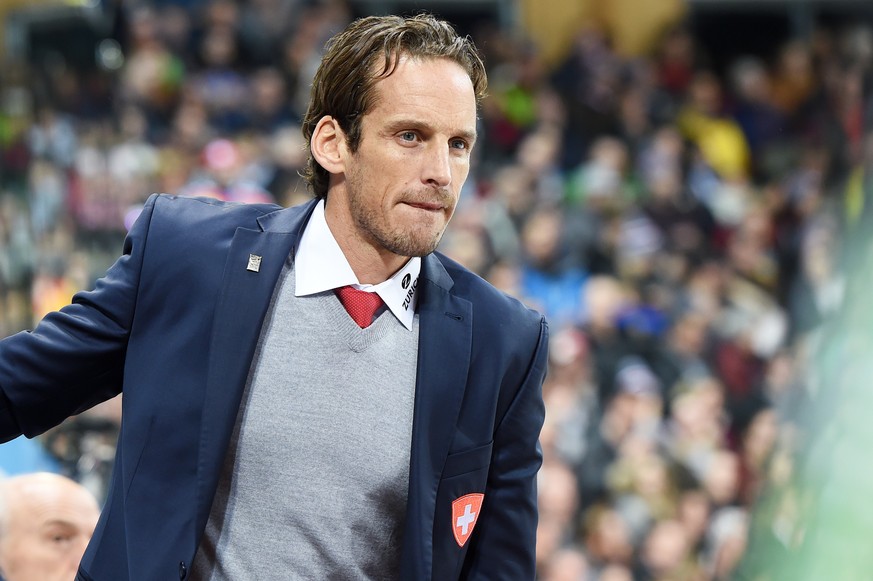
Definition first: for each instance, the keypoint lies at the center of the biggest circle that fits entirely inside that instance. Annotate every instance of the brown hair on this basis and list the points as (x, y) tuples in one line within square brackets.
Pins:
[(344, 84)]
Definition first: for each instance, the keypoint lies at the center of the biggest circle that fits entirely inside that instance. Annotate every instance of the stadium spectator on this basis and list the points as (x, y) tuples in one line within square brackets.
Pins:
[(46, 521)]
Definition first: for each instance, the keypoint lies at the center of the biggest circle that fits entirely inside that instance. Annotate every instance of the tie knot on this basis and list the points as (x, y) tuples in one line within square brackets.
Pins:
[(360, 305)]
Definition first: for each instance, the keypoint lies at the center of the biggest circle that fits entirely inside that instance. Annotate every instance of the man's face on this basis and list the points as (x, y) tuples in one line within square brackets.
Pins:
[(49, 524), (402, 184)]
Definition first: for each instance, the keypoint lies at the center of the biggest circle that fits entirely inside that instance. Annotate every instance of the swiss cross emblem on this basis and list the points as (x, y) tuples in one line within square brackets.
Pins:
[(465, 512)]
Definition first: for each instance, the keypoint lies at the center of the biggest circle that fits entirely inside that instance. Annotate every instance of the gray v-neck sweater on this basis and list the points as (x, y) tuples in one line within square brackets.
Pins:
[(315, 481)]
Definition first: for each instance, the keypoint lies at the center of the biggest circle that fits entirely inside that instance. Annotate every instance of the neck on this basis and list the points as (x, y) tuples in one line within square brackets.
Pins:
[(370, 263)]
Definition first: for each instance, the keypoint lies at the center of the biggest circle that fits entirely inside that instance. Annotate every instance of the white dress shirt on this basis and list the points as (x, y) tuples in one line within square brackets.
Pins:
[(320, 265)]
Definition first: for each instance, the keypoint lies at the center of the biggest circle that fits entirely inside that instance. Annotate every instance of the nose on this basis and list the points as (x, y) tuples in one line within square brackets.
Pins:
[(73, 558), (438, 167)]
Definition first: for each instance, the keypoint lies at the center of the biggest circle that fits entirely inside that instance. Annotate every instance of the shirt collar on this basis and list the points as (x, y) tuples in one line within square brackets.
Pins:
[(320, 265)]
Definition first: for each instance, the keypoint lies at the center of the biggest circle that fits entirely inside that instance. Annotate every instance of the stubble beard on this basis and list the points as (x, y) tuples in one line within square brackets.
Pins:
[(417, 240)]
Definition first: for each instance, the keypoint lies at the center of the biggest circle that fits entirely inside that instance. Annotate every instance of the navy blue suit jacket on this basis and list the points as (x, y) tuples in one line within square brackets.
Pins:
[(174, 324)]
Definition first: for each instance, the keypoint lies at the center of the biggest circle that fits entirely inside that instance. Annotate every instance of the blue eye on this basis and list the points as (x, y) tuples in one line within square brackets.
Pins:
[(408, 136), (459, 144)]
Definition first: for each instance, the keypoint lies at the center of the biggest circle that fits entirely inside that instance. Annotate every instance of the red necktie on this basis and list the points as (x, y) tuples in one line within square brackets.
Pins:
[(361, 305)]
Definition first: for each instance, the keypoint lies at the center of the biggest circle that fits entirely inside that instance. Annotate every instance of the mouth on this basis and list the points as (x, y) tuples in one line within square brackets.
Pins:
[(427, 206)]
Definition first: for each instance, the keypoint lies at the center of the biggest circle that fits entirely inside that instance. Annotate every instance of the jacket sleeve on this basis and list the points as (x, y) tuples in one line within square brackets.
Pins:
[(504, 545), (74, 358)]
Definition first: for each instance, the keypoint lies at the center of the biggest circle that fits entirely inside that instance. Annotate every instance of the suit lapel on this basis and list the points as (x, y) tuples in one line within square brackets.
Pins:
[(254, 264), (445, 342)]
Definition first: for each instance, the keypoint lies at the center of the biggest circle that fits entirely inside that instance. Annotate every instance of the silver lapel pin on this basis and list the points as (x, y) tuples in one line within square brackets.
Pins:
[(254, 263)]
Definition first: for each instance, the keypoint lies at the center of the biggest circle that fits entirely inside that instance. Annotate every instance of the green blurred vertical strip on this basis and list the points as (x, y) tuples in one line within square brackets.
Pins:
[(819, 526)]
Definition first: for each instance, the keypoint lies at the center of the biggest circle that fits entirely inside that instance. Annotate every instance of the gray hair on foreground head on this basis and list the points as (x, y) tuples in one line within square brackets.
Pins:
[(367, 51)]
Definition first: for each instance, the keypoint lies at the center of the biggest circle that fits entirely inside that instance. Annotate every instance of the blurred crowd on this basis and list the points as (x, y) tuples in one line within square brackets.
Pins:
[(686, 229)]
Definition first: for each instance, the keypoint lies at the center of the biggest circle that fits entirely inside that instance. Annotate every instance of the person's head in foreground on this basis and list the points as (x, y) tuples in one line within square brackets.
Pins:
[(391, 123), (46, 521)]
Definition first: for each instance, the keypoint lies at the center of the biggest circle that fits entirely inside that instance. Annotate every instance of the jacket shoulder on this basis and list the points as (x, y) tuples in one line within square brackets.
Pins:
[(492, 306), (187, 209), (187, 224)]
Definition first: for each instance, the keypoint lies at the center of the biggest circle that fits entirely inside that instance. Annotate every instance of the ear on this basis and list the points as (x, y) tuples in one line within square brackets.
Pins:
[(328, 144)]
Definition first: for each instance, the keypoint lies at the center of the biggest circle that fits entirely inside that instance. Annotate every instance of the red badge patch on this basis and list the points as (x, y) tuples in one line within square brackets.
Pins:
[(465, 513)]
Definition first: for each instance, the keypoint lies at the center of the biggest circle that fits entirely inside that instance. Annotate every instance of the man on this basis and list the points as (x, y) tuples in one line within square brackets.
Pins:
[(269, 433), (46, 521)]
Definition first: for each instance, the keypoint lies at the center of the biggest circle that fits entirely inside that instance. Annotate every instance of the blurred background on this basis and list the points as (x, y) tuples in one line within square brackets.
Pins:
[(682, 186)]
